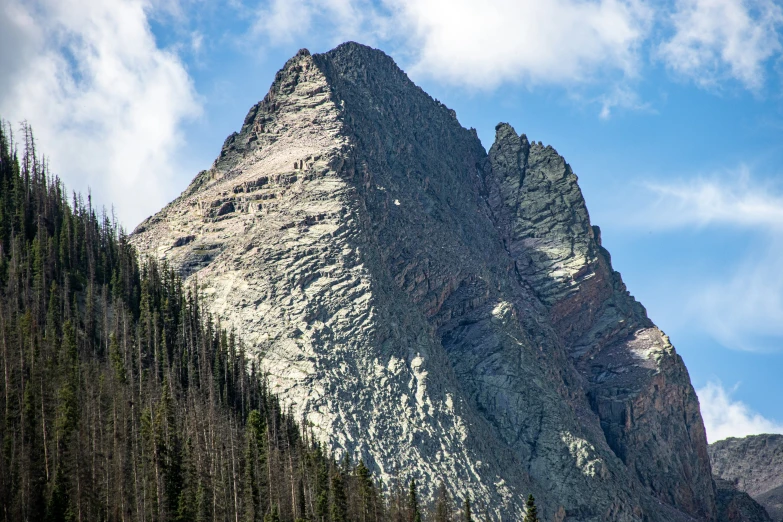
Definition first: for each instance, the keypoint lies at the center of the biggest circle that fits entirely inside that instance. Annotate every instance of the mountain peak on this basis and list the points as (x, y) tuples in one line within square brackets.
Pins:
[(441, 312), (351, 47)]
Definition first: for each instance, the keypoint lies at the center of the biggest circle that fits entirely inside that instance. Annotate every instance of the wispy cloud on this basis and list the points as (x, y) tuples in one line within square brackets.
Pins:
[(286, 21), (726, 417), (741, 309), (105, 101), (621, 97), (729, 199), (718, 39), (745, 310)]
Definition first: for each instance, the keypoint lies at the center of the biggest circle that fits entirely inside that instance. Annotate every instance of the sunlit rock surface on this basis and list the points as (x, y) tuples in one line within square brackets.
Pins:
[(442, 312)]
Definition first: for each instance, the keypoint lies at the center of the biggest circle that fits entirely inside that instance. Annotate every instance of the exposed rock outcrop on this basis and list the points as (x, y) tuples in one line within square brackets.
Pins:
[(753, 465), (635, 381), (734, 505), (442, 313)]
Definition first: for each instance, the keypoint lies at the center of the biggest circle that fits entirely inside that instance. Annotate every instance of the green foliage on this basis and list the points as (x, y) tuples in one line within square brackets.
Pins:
[(256, 487), (339, 508), (531, 512), (117, 362), (442, 505), (67, 411), (414, 515), (367, 494), (273, 516)]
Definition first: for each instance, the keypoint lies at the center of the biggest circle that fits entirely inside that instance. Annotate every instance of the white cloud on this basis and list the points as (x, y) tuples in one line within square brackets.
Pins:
[(603, 44), (483, 44), (479, 44), (725, 417), (741, 309), (736, 199), (745, 311), (714, 39), (104, 101), (285, 21), (196, 42), (622, 97)]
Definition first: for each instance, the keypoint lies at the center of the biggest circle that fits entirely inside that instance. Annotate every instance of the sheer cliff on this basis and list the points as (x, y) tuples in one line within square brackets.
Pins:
[(753, 465), (442, 312)]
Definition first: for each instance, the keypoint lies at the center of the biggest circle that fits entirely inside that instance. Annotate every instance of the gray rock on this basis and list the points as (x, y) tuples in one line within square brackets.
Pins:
[(442, 313), (754, 465), (734, 505), (635, 381)]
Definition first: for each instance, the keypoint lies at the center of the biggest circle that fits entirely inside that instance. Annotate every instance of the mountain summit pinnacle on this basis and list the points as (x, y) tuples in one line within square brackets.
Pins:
[(443, 313)]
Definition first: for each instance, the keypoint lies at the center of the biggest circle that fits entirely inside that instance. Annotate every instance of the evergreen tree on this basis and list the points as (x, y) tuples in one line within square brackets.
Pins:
[(255, 488), (414, 515), (272, 516), (321, 486), (187, 504), (366, 491), (531, 512), (466, 514), (339, 504), (442, 508)]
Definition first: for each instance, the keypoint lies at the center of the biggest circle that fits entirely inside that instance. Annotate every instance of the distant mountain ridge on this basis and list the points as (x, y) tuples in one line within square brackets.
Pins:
[(754, 465), (442, 312)]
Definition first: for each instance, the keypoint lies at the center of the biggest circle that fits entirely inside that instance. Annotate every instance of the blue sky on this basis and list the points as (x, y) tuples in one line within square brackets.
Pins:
[(670, 113)]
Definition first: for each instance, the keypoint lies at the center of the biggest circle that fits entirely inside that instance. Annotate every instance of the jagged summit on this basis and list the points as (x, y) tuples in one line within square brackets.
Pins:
[(443, 312)]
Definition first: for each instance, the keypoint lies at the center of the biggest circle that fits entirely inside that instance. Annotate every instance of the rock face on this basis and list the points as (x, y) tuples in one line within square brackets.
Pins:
[(635, 381), (734, 505), (442, 313), (753, 465)]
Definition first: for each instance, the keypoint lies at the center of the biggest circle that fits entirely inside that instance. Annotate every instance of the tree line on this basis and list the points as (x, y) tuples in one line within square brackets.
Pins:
[(124, 400)]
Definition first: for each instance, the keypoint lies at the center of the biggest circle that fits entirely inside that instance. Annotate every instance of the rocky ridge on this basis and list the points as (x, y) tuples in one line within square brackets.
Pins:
[(442, 313), (734, 505), (753, 465)]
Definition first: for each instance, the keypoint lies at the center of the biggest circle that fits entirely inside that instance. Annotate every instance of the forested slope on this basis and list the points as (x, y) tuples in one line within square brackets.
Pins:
[(124, 400)]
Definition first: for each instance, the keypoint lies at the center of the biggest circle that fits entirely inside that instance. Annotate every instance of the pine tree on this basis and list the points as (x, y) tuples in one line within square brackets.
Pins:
[(366, 491), (255, 467), (321, 485), (187, 504), (414, 515), (273, 516), (466, 514), (442, 509), (531, 512), (338, 505), (301, 503)]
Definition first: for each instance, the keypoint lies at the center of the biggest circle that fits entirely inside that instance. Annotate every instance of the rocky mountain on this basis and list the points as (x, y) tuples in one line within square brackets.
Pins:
[(734, 505), (444, 313), (753, 465)]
